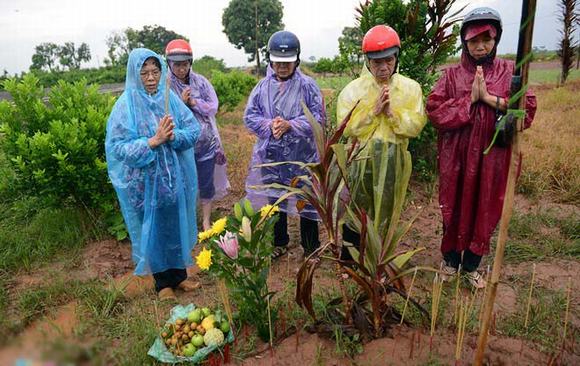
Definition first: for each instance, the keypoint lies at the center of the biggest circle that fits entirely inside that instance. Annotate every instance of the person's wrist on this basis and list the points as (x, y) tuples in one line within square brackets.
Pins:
[(154, 142)]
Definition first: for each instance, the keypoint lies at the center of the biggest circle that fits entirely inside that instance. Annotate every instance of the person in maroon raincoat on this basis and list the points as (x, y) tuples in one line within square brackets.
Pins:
[(463, 107)]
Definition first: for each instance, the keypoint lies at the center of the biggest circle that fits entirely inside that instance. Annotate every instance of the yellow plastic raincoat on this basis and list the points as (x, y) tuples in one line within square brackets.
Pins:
[(379, 180)]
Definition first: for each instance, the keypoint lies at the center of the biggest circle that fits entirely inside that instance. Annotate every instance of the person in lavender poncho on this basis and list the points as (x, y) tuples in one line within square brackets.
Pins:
[(200, 97), (275, 115)]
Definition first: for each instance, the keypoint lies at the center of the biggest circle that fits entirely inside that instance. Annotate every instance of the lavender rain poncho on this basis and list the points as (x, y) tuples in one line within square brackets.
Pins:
[(156, 187), (209, 141), (269, 99)]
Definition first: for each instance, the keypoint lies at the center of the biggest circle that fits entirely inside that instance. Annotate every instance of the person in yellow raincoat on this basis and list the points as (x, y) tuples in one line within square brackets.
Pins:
[(390, 110)]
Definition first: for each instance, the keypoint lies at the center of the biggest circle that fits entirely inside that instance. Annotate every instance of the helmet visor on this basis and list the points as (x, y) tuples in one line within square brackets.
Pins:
[(392, 51), (179, 57), (285, 58), (474, 30)]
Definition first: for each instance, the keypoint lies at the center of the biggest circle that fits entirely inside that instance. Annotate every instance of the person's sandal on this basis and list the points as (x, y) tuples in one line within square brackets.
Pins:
[(166, 294), (189, 285), (476, 279), (447, 272), (278, 252)]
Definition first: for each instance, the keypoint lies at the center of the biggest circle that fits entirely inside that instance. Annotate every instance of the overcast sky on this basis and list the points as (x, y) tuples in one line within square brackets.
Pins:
[(318, 23)]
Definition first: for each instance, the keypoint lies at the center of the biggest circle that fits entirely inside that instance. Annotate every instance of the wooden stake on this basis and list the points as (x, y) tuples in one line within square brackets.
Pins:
[(530, 297), (408, 296), (521, 78), (455, 314)]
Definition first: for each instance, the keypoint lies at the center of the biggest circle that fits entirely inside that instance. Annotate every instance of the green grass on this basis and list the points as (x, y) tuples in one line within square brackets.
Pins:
[(31, 234), (543, 235), (551, 76), (545, 322)]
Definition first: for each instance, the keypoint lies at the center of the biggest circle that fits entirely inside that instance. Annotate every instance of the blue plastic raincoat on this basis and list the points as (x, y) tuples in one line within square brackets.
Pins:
[(156, 187), (269, 99)]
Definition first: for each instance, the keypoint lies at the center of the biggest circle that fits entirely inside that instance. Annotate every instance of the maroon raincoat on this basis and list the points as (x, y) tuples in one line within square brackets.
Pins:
[(471, 185)]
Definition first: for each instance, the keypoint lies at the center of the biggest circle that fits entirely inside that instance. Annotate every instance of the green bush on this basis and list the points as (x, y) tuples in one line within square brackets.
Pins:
[(207, 64), (56, 146), (232, 87)]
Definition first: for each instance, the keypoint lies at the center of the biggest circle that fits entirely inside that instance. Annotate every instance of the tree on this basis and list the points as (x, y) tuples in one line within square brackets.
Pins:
[(569, 18), (44, 56), (71, 57), (153, 37), (118, 49), (248, 24), (206, 65), (349, 44)]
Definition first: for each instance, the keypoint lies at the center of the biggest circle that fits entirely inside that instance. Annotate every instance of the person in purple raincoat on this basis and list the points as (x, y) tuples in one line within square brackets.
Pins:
[(275, 115), (198, 94)]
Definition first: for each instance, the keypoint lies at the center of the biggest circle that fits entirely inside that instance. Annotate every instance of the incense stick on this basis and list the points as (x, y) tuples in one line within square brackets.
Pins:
[(530, 297), (167, 86), (408, 296)]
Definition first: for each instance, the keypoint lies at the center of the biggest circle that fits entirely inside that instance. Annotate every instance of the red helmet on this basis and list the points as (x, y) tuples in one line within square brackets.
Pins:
[(178, 50), (381, 41)]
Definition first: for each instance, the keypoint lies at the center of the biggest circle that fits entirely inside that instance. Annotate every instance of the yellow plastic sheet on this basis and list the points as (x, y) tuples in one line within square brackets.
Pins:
[(406, 105)]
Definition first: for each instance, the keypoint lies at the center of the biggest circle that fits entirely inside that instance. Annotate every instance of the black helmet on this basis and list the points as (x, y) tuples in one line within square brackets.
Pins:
[(283, 46), (482, 15)]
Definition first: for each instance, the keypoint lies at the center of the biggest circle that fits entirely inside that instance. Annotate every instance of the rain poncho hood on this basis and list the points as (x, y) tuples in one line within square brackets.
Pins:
[(156, 187), (379, 179), (269, 99), (205, 109), (471, 185)]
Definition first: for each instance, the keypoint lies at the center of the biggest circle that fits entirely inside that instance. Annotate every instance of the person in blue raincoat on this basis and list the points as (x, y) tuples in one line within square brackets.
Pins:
[(151, 164), (275, 115)]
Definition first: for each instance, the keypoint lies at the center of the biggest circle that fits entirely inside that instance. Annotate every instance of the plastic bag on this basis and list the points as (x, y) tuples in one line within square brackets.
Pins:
[(160, 352)]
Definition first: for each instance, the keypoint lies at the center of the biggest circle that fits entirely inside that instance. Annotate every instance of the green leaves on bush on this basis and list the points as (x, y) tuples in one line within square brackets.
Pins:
[(232, 87), (56, 144)]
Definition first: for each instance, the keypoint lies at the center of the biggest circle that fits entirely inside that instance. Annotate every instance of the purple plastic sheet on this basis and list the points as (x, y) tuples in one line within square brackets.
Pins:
[(269, 99)]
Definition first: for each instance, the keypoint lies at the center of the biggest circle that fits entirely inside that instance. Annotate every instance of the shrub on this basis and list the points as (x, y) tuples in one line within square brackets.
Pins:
[(56, 146), (207, 64), (232, 87)]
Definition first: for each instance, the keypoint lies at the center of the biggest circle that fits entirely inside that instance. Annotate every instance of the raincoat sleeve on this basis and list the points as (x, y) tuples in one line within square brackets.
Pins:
[(410, 116), (187, 127), (254, 117), (124, 141), (208, 104), (446, 112), (313, 99)]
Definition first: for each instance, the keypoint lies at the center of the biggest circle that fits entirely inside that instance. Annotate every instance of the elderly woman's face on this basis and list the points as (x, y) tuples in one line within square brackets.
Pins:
[(480, 45), (150, 76), (382, 68)]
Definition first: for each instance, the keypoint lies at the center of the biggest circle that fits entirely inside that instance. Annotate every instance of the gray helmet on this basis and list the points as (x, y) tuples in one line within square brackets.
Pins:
[(482, 15)]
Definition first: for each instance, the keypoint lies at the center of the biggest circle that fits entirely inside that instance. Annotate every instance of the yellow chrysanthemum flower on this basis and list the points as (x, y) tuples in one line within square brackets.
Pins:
[(219, 226), (203, 259), (268, 210), (204, 235)]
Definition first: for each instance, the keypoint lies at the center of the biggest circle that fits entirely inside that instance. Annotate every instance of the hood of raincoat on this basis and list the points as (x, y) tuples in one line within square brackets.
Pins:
[(471, 63)]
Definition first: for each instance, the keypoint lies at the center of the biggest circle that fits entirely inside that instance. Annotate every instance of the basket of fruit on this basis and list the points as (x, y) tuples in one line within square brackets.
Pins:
[(191, 335)]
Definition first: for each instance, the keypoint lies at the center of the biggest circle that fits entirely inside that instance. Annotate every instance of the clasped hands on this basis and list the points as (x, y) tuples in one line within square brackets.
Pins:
[(383, 103), (164, 132), (279, 127)]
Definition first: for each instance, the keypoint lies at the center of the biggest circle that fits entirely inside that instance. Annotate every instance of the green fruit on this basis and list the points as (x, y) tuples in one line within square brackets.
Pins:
[(206, 312), (189, 350), (197, 340), (225, 326), (194, 316)]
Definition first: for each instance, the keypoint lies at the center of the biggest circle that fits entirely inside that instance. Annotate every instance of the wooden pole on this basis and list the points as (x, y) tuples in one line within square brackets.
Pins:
[(519, 80)]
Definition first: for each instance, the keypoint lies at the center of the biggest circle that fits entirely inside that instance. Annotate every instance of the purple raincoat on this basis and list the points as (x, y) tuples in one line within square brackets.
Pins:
[(269, 99), (209, 143)]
